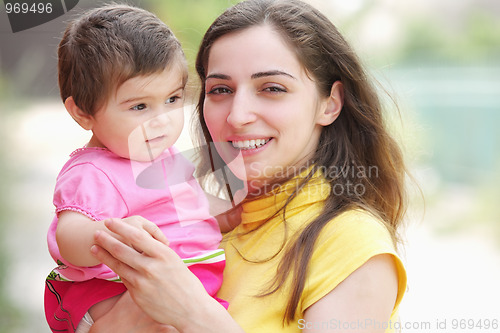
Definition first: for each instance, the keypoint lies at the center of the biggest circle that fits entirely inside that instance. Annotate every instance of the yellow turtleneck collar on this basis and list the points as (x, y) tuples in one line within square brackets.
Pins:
[(259, 210)]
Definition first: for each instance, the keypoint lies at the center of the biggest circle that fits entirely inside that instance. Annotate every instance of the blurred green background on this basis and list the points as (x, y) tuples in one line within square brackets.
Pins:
[(440, 60)]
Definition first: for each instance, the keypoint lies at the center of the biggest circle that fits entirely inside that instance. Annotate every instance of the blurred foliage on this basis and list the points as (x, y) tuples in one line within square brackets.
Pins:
[(10, 316), (475, 40), (488, 200), (5, 92), (189, 19)]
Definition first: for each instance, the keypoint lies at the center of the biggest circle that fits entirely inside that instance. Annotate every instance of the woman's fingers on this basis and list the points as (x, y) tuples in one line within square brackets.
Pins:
[(130, 246), (109, 251), (139, 239), (141, 223), (152, 229)]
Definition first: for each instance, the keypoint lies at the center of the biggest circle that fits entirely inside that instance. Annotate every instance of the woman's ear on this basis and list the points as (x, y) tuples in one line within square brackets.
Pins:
[(333, 105), (84, 119)]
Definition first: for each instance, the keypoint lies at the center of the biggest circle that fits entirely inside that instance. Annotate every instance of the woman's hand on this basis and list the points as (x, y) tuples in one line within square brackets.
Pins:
[(126, 316), (142, 224), (157, 279)]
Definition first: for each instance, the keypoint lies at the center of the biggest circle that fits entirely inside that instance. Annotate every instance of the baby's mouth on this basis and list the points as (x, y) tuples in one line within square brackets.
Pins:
[(158, 138), (250, 144)]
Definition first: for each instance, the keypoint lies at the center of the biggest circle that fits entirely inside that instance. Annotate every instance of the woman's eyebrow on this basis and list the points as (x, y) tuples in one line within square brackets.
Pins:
[(271, 73), (254, 76)]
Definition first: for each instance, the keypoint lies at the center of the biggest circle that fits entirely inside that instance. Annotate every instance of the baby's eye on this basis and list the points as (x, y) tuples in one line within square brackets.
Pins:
[(219, 91), (139, 107), (172, 100)]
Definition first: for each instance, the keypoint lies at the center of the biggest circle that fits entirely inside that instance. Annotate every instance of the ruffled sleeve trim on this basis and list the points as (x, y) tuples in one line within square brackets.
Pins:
[(78, 210)]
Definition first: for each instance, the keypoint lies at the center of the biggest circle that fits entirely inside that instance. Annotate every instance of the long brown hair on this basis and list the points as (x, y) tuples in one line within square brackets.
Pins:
[(355, 143)]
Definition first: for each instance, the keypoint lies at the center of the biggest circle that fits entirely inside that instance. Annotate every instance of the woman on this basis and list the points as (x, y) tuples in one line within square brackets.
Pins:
[(315, 249)]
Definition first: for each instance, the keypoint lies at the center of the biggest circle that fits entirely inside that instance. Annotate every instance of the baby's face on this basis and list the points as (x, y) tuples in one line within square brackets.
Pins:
[(144, 117)]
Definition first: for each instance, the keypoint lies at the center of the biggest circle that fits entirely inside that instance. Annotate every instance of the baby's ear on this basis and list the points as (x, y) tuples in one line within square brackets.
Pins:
[(84, 119), (333, 105)]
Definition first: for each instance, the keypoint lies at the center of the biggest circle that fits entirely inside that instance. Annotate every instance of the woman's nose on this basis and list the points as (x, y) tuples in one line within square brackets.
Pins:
[(242, 110)]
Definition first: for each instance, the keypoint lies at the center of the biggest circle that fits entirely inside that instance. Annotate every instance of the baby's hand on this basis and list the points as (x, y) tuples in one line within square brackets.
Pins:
[(229, 219)]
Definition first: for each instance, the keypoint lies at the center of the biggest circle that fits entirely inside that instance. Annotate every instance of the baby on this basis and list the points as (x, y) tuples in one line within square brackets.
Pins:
[(122, 75)]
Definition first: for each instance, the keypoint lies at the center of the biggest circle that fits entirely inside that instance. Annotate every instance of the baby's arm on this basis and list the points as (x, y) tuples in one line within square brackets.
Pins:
[(75, 236), (227, 217)]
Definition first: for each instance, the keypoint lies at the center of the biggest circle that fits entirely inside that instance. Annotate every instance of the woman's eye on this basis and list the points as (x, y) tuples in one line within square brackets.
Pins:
[(274, 89), (219, 91), (139, 107)]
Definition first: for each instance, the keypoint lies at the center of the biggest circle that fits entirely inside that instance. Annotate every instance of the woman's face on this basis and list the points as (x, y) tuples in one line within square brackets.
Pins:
[(261, 105)]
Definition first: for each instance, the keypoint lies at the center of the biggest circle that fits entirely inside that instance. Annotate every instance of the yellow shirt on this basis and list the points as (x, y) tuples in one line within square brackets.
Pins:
[(344, 244)]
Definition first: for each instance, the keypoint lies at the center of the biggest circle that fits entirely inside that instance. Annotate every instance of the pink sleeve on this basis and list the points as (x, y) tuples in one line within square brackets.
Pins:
[(88, 190), (85, 189)]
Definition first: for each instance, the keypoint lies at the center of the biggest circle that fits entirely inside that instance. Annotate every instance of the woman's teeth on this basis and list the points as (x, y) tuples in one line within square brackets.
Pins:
[(249, 144)]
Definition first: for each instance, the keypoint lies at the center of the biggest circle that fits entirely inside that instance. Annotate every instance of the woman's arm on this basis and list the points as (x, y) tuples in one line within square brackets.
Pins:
[(363, 302), (126, 316), (158, 280)]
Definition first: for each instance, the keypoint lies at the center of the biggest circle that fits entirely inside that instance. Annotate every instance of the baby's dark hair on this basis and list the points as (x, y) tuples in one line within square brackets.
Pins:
[(107, 46)]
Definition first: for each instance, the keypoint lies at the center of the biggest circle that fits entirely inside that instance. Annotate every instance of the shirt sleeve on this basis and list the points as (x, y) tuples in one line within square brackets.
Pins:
[(86, 189), (344, 245)]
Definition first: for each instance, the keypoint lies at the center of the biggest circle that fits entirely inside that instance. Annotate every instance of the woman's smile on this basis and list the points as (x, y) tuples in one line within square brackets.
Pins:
[(250, 144)]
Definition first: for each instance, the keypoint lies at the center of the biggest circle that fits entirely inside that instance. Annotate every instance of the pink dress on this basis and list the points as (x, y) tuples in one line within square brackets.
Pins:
[(99, 184)]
